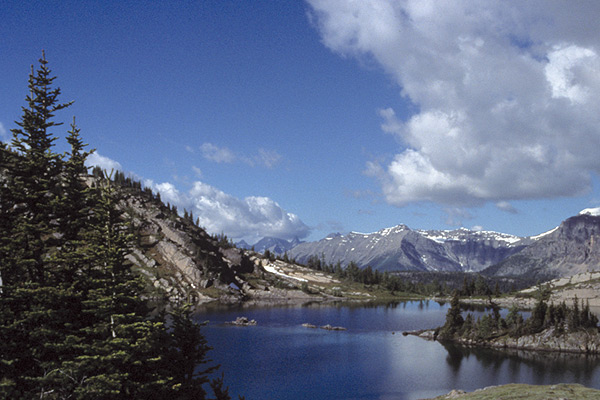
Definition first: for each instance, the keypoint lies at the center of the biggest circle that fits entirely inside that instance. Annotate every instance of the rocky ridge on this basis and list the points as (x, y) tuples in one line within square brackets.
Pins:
[(571, 248)]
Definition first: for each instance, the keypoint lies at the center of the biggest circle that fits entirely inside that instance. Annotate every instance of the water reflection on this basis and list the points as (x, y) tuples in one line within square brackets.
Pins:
[(521, 365), (279, 358)]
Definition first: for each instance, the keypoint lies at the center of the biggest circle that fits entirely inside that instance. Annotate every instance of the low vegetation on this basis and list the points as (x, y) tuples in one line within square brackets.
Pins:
[(414, 283), (529, 392)]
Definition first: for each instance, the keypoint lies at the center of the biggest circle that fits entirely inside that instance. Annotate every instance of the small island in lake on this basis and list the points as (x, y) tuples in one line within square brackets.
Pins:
[(550, 327)]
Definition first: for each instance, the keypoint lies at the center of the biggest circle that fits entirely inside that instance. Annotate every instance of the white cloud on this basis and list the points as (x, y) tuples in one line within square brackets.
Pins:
[(217, 154), (507, 94), (506, 206), (456, 215), (262, 157), (168, 193), (197, 171), (267, 158), (250, 218), (107, 164), (4, 136)]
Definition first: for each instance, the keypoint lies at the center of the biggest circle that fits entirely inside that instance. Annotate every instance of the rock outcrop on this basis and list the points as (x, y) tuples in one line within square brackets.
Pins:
[(242, 321), (572, 248), (182, 262)]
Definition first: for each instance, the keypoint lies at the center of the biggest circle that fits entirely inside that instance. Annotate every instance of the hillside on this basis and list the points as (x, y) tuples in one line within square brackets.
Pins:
[(180, 261)]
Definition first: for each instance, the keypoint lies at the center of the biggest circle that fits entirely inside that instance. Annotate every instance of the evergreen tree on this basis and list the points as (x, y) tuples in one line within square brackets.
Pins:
[(73, 323), (34, 181), (454, 319), (30, 299), (574, 315), (535, 323), (188, 351)]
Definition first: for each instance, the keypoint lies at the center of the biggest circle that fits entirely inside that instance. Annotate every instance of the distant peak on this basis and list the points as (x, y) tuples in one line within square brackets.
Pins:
[(594, 212)]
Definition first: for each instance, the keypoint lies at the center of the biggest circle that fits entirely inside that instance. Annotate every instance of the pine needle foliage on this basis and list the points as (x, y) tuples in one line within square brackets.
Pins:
[(73, 320)]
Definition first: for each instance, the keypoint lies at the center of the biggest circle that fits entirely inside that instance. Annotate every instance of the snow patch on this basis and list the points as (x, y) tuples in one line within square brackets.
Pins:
[(543, 234), (272, 269), (594, 212)]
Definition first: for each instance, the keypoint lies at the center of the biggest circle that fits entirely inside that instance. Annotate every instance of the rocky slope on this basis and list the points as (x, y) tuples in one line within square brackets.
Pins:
[(401, 248), (571, 248), (179, 259), (181, 262)]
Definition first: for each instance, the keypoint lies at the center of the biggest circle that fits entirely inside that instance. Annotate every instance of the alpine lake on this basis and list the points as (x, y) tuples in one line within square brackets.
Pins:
[(280, 359)]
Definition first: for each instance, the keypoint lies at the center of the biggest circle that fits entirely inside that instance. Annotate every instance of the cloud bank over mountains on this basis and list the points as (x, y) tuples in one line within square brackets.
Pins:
[(507, 95)]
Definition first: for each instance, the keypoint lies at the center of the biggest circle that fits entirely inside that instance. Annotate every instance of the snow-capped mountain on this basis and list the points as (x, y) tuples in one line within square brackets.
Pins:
[(274, 245), (401, 248)]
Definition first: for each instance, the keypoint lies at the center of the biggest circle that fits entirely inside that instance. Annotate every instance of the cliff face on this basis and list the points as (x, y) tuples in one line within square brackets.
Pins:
[(587, 341), (572, 248), (179, 259)]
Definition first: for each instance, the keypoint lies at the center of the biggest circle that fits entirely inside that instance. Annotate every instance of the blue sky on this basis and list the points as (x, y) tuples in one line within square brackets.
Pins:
[(301, 118)]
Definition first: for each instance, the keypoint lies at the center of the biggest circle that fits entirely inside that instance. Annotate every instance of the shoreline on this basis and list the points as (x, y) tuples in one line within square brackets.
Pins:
[(579, 342)]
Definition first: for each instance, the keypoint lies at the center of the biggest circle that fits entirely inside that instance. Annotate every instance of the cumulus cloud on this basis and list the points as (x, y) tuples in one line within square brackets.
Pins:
[(250, 218), (507, 94), (107, 164)]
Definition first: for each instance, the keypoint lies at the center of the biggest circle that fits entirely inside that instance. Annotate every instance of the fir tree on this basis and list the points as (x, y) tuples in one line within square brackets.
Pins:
[(31, 297), (454, 319), (73, 322)]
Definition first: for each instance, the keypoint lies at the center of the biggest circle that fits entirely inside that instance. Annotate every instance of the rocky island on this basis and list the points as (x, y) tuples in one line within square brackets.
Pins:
[(549, 328)]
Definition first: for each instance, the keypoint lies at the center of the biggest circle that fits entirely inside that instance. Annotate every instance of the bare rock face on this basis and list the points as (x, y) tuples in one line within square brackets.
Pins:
[(572, 248), (178, 258)]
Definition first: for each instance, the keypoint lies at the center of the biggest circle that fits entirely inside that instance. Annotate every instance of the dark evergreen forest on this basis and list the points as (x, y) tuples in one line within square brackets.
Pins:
[(73, 320)]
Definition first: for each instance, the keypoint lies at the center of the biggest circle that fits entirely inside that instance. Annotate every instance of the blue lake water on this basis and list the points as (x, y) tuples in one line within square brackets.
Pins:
[(281, 359)]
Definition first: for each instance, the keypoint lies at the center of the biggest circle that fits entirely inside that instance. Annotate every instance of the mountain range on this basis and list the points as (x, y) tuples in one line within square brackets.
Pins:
[(273, 244), (180, 261), (572, 247), (402, 248)]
